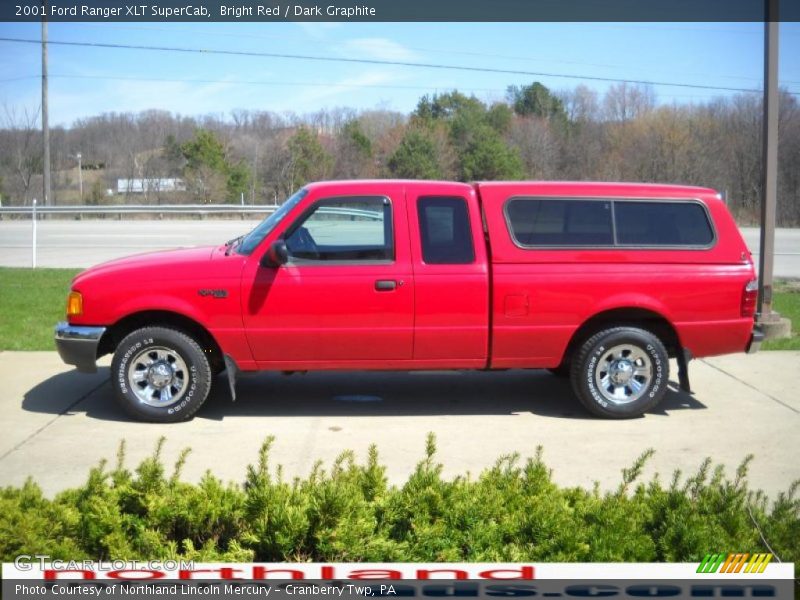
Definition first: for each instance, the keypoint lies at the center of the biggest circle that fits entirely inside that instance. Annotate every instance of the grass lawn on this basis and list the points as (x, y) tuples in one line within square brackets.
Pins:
[(787, 302), (32, 301)]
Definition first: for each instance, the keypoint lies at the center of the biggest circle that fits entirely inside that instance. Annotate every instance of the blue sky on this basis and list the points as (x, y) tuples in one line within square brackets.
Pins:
[(89, 81)]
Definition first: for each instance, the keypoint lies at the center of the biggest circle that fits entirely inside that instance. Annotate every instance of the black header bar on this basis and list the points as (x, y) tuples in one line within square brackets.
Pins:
[(395, 10)]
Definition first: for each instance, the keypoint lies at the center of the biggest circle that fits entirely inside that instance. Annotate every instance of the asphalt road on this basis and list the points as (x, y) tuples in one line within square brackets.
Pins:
[(62, 243), (88, 242), (56, 423)]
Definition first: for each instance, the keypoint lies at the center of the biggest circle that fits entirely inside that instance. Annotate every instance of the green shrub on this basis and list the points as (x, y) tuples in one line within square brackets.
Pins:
[(511, 512)]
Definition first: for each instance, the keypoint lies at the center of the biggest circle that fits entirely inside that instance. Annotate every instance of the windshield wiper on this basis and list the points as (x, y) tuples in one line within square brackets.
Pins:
[(230, 244)]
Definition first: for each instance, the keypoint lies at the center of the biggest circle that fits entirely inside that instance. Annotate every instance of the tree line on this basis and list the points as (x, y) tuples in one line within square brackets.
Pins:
[(534, 133)]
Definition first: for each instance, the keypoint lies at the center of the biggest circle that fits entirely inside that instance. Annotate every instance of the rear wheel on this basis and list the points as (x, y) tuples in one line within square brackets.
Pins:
[(621, 372), (160, 375)]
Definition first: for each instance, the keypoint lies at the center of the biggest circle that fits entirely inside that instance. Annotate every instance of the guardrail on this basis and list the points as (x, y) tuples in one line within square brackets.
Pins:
[(174, 209), (161, 209), (153, 209), (351, 212)]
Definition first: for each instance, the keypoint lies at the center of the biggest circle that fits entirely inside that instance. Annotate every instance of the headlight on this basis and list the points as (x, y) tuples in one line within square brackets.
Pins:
[(74, 304)]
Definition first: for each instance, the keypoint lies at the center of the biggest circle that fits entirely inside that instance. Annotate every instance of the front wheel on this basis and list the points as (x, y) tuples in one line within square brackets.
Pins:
[(160, 375), (620, 372)]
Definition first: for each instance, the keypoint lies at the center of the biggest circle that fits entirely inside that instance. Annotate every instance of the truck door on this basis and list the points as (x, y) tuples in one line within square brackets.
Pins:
[(451, 276), (345, 296)]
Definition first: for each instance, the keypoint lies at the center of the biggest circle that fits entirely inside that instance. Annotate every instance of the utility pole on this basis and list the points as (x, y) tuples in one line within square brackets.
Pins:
[(770, 321), (45, 116)]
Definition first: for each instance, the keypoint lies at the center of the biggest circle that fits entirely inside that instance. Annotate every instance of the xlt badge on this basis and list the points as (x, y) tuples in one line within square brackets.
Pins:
[(215, 293)]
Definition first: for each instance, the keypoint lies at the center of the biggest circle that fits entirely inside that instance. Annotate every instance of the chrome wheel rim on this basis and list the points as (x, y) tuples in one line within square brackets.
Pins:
[(158, 376), (623, 373)]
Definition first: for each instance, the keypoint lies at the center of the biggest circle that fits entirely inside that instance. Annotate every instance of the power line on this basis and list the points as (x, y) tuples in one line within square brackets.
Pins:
[(759, 30), (326, 44), (311, 84), (262, 82), (381, 62), (10, 79), (272, 36), (296, 83)]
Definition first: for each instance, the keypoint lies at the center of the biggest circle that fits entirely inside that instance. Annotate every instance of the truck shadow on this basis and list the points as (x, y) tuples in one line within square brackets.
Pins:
[(356, 394)]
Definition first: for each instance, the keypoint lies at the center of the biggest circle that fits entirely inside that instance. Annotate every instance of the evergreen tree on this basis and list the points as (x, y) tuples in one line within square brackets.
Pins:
[(208, 171), (415, 157), (487, 157), (204, 150), (308, 159), (536, 100), (475, 134)]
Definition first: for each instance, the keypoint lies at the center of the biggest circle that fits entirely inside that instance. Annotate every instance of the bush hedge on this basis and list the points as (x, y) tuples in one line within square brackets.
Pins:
[(510, 512)]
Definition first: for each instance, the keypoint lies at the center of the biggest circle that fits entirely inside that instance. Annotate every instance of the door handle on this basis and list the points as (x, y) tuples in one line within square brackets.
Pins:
[(385, 285)]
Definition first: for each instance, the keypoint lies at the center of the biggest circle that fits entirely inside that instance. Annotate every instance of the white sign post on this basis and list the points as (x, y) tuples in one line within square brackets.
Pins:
[(33, 244)]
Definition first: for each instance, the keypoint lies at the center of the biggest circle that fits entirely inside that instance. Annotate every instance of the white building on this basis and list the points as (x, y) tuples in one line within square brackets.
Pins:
[(140, 186)]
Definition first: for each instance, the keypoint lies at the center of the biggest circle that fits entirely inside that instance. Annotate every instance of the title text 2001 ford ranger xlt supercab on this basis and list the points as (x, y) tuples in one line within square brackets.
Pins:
[(600, 281)]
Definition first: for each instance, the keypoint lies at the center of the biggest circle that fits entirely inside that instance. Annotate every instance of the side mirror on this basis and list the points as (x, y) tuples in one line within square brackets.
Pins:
[(276, 255)]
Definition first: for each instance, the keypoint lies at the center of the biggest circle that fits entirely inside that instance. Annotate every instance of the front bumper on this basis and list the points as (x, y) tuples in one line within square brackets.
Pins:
[(755, 340), (77, 345)]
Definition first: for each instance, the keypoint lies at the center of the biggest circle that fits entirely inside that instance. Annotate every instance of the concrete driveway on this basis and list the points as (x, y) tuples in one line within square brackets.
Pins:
[(56, 423)]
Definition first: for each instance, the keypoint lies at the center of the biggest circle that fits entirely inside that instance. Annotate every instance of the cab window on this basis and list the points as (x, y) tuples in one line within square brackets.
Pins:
[(352, 229), (445, 231)]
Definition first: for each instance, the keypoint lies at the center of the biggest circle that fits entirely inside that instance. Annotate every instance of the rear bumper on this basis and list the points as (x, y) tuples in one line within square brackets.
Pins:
[(77, 345), (755, 340)]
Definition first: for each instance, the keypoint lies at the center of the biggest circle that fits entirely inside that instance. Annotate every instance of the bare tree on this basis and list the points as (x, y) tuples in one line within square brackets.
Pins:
[(21, 152), (626, 101), (537, 145), (581, 104)]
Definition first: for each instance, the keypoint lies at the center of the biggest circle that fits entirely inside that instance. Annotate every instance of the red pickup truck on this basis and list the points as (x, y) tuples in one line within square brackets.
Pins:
[(603, 282)]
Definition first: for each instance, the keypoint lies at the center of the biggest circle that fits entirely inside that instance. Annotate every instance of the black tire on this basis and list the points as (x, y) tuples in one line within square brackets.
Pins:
[(605, 352), (189, 369)]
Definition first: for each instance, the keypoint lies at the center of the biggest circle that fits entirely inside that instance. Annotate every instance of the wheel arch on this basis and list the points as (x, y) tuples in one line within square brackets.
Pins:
[(630, 316), (115, 333)]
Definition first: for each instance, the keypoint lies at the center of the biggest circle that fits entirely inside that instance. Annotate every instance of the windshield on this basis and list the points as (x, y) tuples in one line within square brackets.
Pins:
[(254, 238)]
